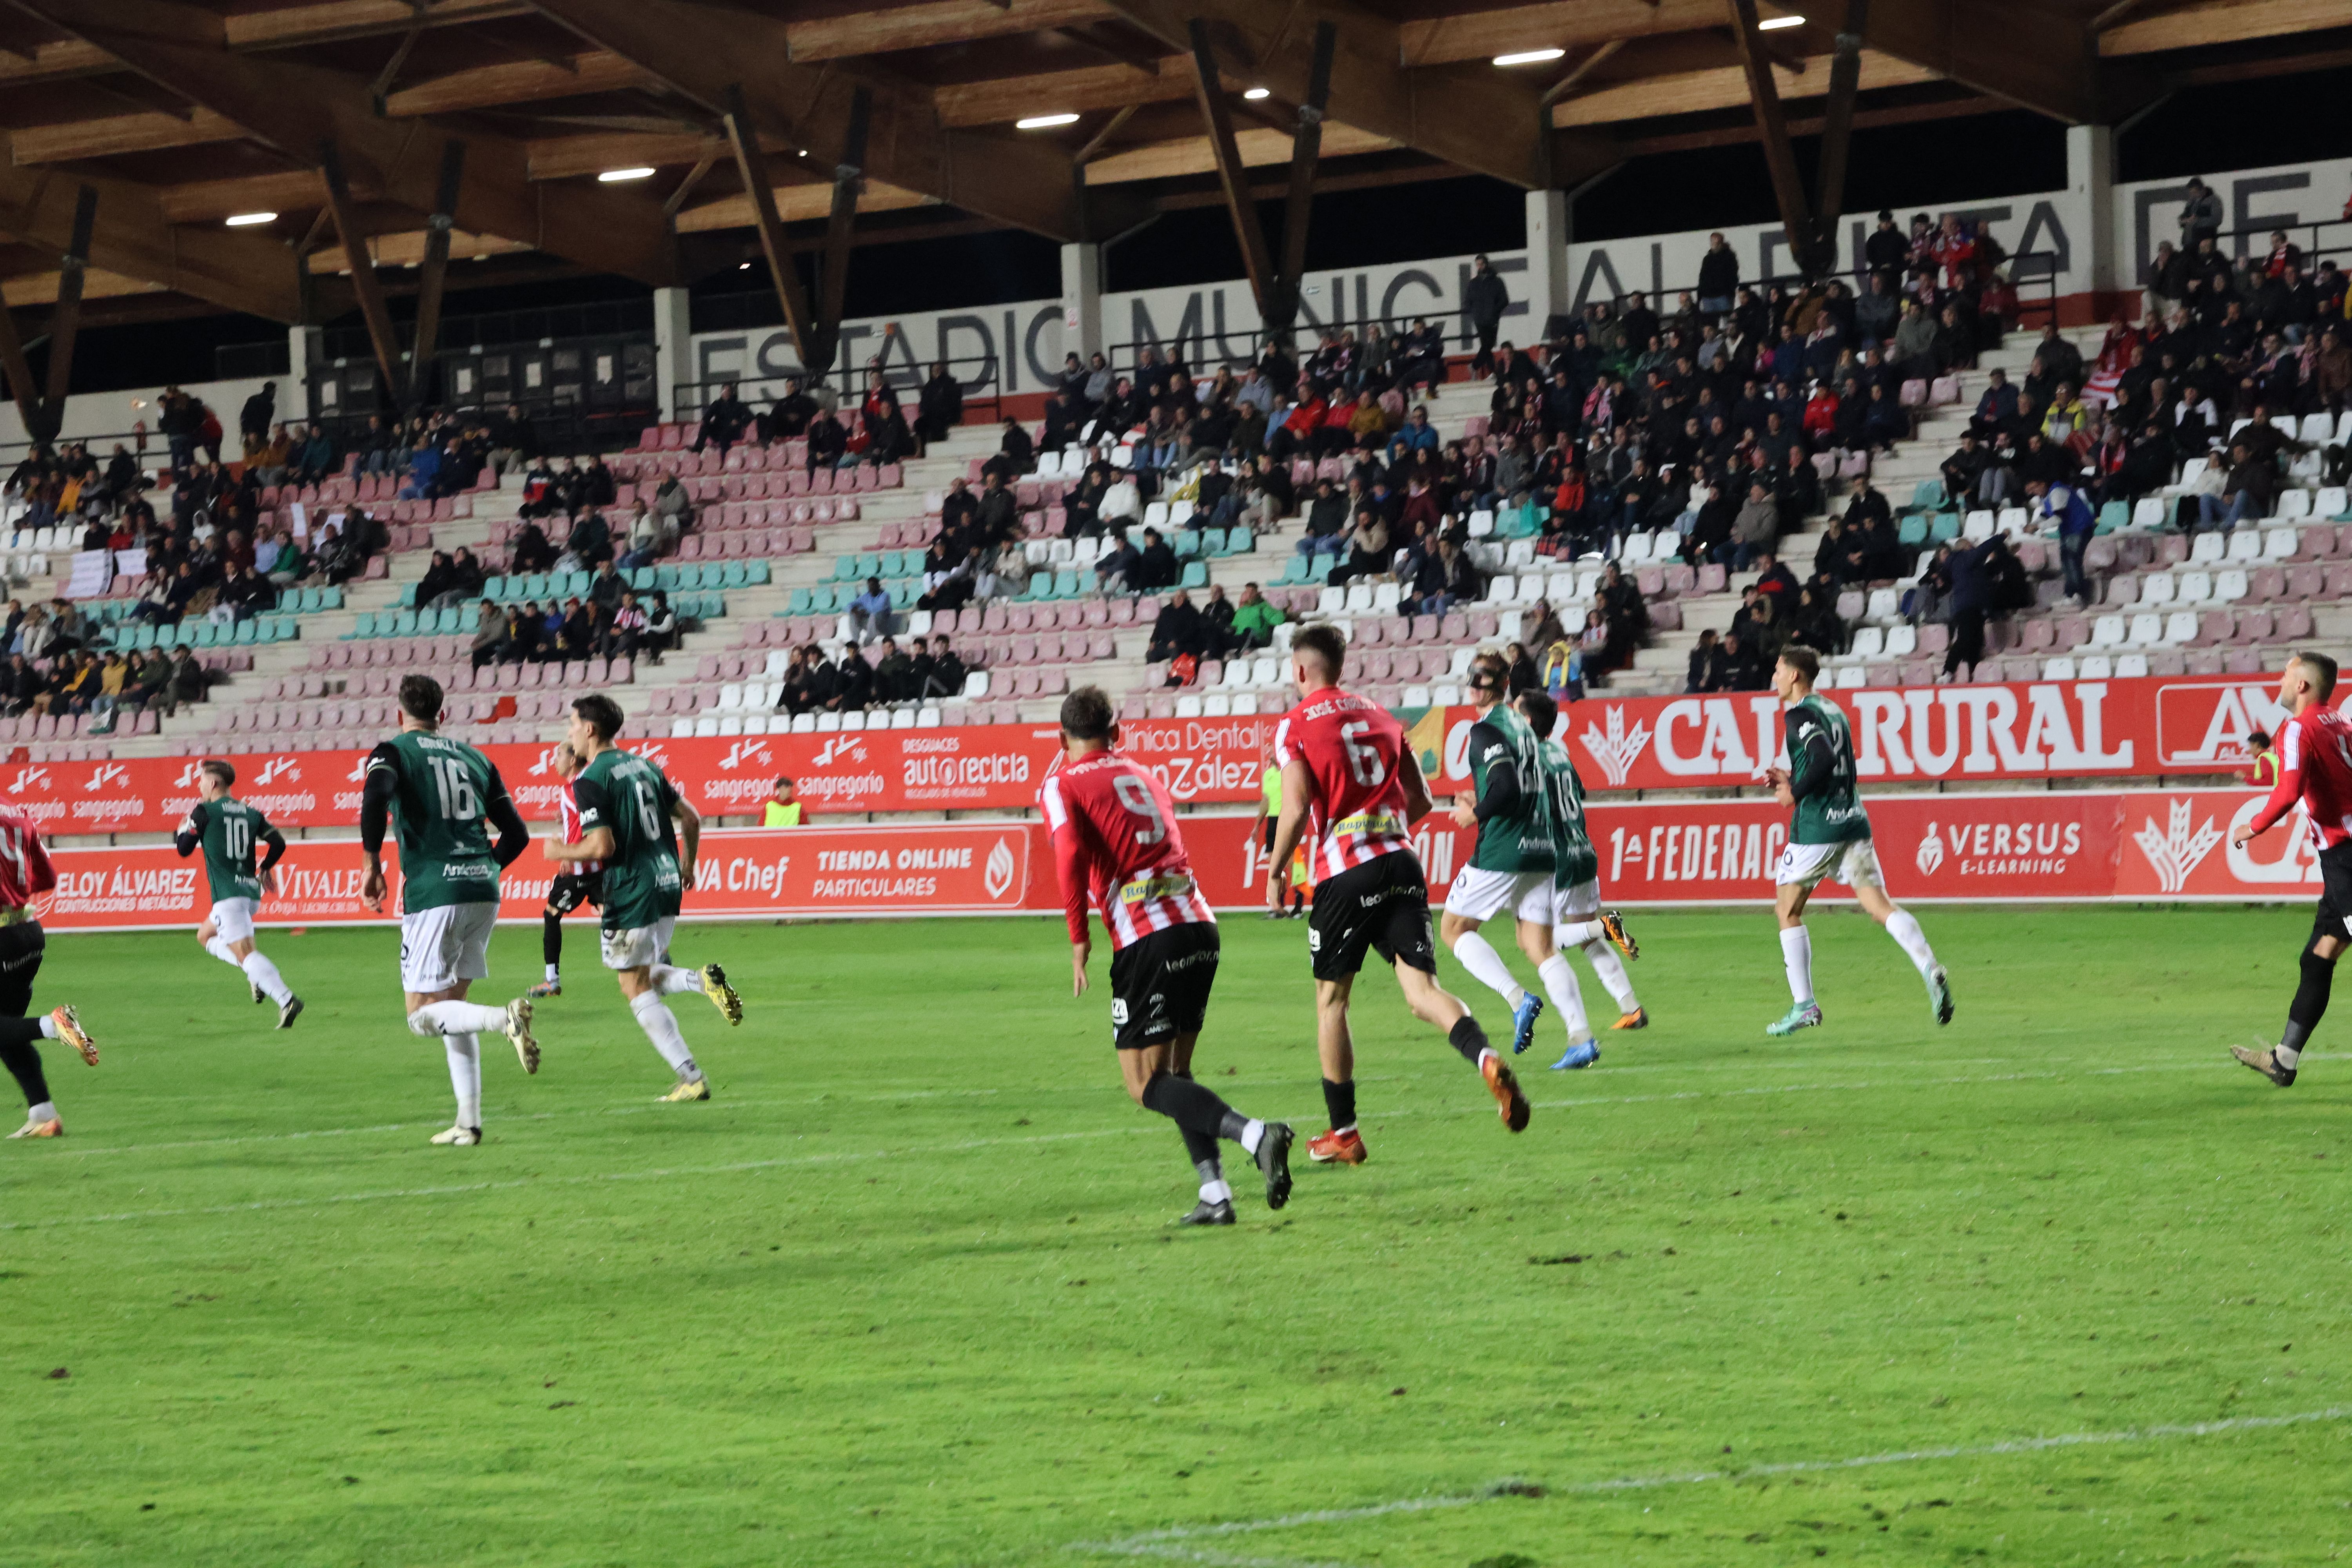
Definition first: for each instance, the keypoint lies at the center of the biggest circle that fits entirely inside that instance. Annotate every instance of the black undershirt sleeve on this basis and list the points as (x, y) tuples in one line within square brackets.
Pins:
[(277, 842), (375, 796), (188, 838), (514, 836), (1501, 795)]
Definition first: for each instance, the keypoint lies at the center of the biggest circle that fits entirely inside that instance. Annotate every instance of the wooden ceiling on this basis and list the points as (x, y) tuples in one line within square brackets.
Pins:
[(182, 113)]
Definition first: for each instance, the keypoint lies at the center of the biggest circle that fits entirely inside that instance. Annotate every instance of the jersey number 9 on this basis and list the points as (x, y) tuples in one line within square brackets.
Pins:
[(1133, 796)]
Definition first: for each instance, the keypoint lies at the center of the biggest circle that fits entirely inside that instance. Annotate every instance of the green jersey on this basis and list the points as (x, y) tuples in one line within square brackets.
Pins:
[(1514, 830), (231, 834), (632, 799), (1822, 775), (444, 794), (1571, 841)]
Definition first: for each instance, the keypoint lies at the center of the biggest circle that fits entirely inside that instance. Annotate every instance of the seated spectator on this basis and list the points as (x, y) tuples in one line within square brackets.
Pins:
[(1254, 619), (869, 611), (724, 420), (490, 640), (947, 674), (1015, 454), (2246, 491), (1756, 528), (828, 442), (1705, 667), (894, 674), (1156, 568), (1180, 628), (854, 689), (938, 408)]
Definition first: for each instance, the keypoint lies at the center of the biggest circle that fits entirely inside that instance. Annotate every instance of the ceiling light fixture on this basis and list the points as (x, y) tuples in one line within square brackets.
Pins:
[(1044, 121), (1529, 57), (1774, 24), (1256, 94), (615, 176), (247, 220)]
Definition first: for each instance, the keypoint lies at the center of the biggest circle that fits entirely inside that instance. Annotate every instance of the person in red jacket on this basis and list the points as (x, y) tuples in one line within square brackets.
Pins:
[(24, 870), (2315, 772)]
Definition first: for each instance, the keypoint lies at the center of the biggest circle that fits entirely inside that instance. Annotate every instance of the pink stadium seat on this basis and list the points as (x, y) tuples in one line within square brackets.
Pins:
[(2292, 623)]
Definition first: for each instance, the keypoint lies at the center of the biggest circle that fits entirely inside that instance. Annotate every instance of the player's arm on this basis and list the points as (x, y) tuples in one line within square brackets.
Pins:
[(514, 834), (382, 782), (595, 836), (689, 837), (1808, 761), (1071, 868), (1418, 802), (191, 832), (2285, 792), (1498, 795), (269, 867), (1298, 801)]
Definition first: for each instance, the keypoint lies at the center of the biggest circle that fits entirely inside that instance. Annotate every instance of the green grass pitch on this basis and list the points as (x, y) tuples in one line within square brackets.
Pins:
[(906, 1293)]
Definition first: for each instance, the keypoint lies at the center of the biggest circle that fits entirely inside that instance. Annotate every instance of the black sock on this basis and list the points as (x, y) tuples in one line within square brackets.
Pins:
[(1339, 1099), (550, 939), (2310, 1003), (1202, 1148), (22, 1058), (1187, 1104), (1468, 1038)]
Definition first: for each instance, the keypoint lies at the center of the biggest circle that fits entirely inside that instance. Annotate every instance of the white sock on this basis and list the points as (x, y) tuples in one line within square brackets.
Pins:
[(1612, 970), (447, 1018), (670, 981), (1577, 933), (44, 1111), (219, 947), (660, 1026), (264, 973), (1797, 952), (1216, 1192), (1559, 985), (1253, 1134), (48, 1026), (466, 1076), (1906, 931), (553, 973), (2286, 1056), (1479, 957)]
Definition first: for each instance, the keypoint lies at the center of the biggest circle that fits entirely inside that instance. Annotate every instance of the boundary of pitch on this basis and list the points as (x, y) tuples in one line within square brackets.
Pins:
[(1168, 1541)]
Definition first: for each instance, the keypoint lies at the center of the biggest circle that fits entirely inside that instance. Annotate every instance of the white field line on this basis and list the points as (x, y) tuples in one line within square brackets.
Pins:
[(1167, 1542)]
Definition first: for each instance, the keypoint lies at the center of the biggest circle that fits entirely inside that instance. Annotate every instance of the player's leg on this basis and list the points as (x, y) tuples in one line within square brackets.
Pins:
[(234, 942), (1600, 934), (551, 945), (1796, 956), (442, 952), (1475, 897), (1432, 1004), (1195, 1108), (710, 980), (1862, 874), (635, 956), (1536, 909), (1200, 1148), (1335, 1051), (21, 947), (2316, 981)]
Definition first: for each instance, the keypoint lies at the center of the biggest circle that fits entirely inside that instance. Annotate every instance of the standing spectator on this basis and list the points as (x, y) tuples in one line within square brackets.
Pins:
[(1483, 300), (2200, 216), (1718, 277), (254, 419)]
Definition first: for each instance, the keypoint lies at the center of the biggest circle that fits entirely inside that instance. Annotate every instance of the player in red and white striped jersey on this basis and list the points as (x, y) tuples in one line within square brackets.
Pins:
[(1117, 848), (24, 872), (2314, 751), (581, 881), (1350, 778)]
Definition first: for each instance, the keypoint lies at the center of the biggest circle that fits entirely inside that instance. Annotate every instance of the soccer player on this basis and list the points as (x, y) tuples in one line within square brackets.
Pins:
[(1348, 775), (1829, 840), (444, 796), (634, 821), (1581, 921), (584, 883), (24, 870), (2314, 753), (230, 833), (1116, 847), (1512, 866)]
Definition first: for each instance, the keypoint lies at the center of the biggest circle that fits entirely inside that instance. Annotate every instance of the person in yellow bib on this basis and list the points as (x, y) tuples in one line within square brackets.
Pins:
[(1269, 812), (783, 808)]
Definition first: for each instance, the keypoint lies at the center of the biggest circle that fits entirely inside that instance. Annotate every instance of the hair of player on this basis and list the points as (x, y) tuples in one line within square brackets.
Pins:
[(1541, 712), (1490, 672), (602, 714), (420, 698), (1324, 644), (219, 770), (1087, 715), (1804, 661), (2320, 670)]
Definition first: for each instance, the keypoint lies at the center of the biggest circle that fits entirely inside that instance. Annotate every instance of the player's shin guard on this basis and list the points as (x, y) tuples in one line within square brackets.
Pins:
[(1468, 1038), (1905, 930), (2309, 1006), (550, 942), (1202, 1149), (466, 1076), (1612, 970), (455, 1018), (660, 1026), (1198, 1109), (1797, 954), (264, 973), (1479, 957), (669, 981), (1559, 985)]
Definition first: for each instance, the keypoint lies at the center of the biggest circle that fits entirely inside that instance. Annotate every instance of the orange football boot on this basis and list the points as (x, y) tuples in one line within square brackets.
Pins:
[(1336, 1148)]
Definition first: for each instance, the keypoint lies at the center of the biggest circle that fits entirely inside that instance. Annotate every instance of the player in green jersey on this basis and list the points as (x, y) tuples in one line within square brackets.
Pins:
[(1829, 840), (445, 797), (231, 834), (1579, 920), (633, 819), (1512, 867)]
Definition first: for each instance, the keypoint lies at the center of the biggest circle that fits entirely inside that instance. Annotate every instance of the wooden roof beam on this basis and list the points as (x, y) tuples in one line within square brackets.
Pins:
[(885, 29), (115, 134), (516, 81), (325, 21), (2040, 56)]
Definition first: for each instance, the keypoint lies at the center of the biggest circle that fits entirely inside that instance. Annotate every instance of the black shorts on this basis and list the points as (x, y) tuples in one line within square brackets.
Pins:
[(1380, 906), (21, 947), (1265, 836), (573, 888), (2334, 916), (1160, 986)]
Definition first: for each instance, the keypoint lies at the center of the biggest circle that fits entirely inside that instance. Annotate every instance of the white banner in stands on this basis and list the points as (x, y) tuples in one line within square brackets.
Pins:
[(93, 570)]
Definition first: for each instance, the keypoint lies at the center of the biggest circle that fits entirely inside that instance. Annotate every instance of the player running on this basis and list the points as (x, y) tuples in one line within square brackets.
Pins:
[(1581, 921), (444, 796), (1117, 847), (636, 825), (2315, 750), (1829, 840), (583, 884), (24, 870), (1348, 772), (1512, 866), (230, 833)]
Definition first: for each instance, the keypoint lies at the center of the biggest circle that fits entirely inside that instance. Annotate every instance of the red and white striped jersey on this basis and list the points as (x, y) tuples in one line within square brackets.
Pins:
[(24, 867), (1116, 845), (2315, 750), (567, 812), (1354, 747)]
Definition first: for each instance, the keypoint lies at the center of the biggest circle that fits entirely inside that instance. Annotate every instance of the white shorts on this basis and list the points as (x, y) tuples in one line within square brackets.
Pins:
[(639, 947), (1572, 906), (1854, 863), (439, 947), (232, 918), (1479, 895)]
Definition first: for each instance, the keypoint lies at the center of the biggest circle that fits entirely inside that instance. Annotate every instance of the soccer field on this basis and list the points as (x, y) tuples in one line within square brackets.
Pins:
[(2058, 1284)]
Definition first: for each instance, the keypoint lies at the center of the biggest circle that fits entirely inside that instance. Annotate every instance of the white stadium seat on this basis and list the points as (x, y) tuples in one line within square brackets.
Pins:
[(1902, 641), (2108, 631), (2059, 669), (2196, 587), (2228, 587), (2146, 630), (2159, 588), (2131, 666), (2181, 627), (1869, 642), (1851, 676), (2208, 550), (2097, 666)]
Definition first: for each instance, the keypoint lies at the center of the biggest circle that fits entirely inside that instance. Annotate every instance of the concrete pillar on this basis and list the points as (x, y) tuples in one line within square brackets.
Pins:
[(2090, 216), (1082, 332), (1547, 274), (305, 351), (673, 352)]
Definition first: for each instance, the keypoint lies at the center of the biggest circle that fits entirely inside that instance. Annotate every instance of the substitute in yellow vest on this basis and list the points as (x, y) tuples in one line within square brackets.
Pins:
[(2265, 773), (783, 806), (1269, 812)]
